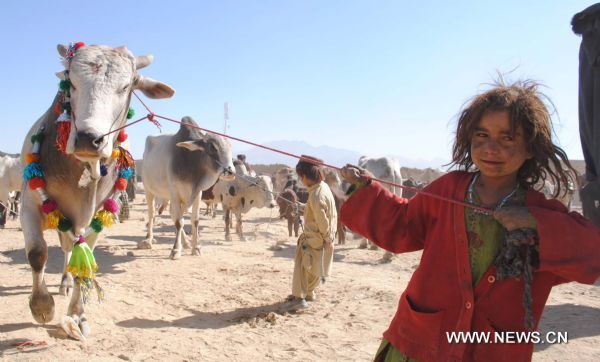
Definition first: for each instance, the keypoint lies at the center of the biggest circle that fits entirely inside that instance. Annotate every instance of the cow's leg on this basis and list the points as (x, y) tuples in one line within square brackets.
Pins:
[(66, 283), (41, 302), (195, 229), (176, 211), (147, 244), (238, 225), (76, 307), (296, 226), (290, 222), (227, 214)]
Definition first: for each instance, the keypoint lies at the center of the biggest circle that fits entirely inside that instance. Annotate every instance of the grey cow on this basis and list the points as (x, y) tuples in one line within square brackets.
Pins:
[(178, 167)]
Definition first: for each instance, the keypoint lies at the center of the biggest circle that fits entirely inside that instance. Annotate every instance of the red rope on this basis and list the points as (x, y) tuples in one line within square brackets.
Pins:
[(151, 117)]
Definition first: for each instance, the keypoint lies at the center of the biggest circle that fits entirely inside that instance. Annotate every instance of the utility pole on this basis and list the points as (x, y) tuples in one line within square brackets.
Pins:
[(226, 117)]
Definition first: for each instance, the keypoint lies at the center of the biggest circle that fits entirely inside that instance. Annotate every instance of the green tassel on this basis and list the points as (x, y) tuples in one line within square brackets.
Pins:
[(66, 106), (65, 224), (96, 225), (38, 137), (130, 113), (64, 85), (82, 263)]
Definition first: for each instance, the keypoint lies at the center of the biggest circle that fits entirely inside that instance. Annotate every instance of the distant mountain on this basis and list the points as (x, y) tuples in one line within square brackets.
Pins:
[(331, 155), (8, 154)]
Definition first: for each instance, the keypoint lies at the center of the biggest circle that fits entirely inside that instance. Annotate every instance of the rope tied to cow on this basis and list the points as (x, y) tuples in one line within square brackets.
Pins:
[(151, 116)]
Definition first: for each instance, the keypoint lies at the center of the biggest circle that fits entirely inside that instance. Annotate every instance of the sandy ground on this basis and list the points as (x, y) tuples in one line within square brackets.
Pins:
[(226, 304)]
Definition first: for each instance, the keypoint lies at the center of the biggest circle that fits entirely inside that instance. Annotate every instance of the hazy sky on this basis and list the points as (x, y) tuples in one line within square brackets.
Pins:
[(377, 77)]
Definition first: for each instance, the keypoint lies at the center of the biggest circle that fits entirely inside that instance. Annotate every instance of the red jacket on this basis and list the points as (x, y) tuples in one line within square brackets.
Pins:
[(440, 297)]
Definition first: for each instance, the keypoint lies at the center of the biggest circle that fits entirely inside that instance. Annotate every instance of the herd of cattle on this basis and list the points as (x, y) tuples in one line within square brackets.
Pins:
[(178, 170)]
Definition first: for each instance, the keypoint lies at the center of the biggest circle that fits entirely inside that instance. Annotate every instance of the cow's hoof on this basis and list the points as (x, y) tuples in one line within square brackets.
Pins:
[(196, 251), (42, 307), (228, 237), (145, 244), (71, 326), (175, 254), (84, 327), (373, 247)]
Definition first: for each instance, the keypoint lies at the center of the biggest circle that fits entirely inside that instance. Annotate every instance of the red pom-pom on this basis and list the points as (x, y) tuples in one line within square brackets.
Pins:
[(57, 108), (121, 184), (36, 182), (78, 45), (48, 206), (122, 136)]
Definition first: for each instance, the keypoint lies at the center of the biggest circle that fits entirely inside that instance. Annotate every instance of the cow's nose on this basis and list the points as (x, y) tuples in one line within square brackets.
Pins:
[(88, 141), (272, 206)]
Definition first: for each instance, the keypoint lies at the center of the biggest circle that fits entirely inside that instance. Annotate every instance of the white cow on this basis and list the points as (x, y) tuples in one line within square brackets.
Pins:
[(242, 194), (386, 169), (102, 80), (11, 179), (178, 167)]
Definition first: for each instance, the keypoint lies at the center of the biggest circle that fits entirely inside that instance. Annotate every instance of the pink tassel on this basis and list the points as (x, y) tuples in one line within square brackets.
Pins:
[(111, 205)]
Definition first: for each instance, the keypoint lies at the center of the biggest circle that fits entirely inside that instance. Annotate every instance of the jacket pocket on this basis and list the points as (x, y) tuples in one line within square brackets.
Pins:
[(418, 326)]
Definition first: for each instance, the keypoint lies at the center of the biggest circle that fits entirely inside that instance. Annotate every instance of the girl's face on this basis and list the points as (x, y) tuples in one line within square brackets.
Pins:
[(495, 150)]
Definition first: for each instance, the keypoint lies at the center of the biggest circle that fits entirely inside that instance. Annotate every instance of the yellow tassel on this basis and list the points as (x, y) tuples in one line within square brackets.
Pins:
[(52, 219), (116, 153), (105, 217)]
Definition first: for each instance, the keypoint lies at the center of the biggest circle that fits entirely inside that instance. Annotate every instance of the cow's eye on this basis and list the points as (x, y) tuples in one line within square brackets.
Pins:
[(124, 89)]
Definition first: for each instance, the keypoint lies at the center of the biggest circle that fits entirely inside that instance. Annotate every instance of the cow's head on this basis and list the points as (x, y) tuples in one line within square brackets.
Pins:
[(102, 79), (214, 151), (262, 193)]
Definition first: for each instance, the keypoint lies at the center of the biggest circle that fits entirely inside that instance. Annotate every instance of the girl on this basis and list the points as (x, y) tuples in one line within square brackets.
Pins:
[(466, 280)]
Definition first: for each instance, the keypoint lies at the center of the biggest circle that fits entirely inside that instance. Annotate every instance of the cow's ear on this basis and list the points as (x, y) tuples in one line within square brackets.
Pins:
[(61, 75), (190, 145), (153, 88), (62, 50)]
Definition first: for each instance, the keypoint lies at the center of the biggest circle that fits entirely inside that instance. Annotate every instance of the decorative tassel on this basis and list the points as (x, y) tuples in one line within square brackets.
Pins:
[(122, 137), (130, 113), (121, 184), (111, 205), (32, 157), (105, 217), (65, 224), (126, 173), (83, 266), (53, 219), (96, 225), (48, 206), (36, 183), (125, 159), (32, 170), (115, 153), (62, 135), (38, 137), (103, 170)]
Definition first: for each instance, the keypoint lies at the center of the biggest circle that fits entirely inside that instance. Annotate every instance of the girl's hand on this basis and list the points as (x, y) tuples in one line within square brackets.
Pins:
[(355, 175), (515, 218)]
